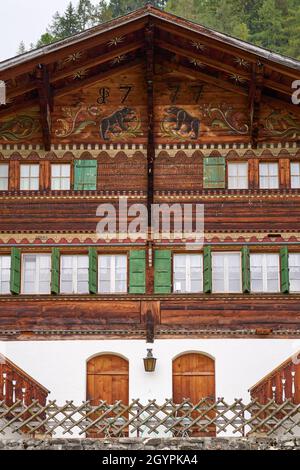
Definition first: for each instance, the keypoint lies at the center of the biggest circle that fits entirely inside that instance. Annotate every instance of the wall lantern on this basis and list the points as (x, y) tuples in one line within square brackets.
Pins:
[(149, 361)]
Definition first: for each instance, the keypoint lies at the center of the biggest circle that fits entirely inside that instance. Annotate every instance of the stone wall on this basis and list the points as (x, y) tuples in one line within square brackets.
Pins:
[(153, 444)]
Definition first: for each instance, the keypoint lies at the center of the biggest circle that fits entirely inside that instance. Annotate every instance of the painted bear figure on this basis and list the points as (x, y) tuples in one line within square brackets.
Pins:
[(117, 119), (184, 121)]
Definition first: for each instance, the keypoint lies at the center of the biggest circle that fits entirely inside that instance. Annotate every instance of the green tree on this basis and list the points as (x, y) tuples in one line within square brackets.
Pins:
[(65, 25), (21, 48), (44, 40)]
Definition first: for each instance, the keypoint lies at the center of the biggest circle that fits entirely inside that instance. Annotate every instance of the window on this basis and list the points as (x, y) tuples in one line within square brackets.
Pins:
[(112, 274), (188, 273), (4, 274), (237, 175), (268, 176), (30, 177), (74, 274), (60, 176), (226, 272), (36, 274), (295, 174), (85, 175), (294, 272), (264, 272), (3, 177)]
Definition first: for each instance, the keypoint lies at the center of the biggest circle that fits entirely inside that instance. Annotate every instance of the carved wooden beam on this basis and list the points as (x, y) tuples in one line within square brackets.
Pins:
[(255, 98), (46, 103), (149, 40), (150, 327)]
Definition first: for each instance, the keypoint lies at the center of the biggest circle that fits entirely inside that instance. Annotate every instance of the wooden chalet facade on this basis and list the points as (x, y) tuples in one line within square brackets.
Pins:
[(159, 110)]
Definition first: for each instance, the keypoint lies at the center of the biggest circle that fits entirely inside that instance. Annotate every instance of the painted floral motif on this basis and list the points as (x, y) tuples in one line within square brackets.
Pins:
[(225, 117), (19, 128), (119, 125), (282, 124), (116, 40)]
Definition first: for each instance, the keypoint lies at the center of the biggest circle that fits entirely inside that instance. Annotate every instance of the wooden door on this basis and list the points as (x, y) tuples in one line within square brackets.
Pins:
[(107, 379), (194, 378)]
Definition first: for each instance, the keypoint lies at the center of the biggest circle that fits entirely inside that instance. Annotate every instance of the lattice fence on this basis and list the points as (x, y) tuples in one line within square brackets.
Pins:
[(151, 419)]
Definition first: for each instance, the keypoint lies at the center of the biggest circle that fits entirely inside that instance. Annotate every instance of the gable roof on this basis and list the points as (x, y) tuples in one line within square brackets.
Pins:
[(111, 48), (150, 11)]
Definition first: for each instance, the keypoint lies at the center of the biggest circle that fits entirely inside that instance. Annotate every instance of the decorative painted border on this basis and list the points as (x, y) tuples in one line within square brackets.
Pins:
[(86, 238), (112, 150)]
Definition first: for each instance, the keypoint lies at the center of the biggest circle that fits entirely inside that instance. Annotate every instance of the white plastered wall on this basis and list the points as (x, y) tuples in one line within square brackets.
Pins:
[(61, 365)]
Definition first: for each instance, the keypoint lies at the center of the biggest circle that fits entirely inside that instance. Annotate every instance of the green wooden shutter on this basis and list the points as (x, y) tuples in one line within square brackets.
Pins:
[(85, 175), (137, 272), (284, 267), (15, 271), (55, 271), (93, 270), (162, 271), (214, 172), (246, 269), (207, 269)]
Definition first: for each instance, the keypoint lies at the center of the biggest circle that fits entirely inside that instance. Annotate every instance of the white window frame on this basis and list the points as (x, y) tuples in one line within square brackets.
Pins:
[(29, 178), (291, 272), (268, 177), (74, 274), (112, 274), (226, 271), (188, 278), (38, 256), (237, 178), (1, 273), (4, 179), (60, 178), (265, 273), (295, 175)]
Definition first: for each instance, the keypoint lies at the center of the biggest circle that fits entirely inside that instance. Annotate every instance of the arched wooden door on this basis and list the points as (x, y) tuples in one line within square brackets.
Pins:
[(107, 379), (194, 378)]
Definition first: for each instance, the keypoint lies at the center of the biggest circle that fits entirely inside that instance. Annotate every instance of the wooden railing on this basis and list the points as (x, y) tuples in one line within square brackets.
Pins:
[(152, 419), (17, 386), (281, 384)]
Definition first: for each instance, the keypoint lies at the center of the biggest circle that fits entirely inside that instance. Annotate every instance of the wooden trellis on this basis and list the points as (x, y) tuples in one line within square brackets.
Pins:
[(151, 419)]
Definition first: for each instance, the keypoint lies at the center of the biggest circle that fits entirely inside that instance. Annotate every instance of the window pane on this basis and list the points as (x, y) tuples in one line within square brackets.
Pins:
[(294, 269), (34, 171), (55, 170), (4, 274), (25, 171), (218, 272), (3, 170), (34, 184)]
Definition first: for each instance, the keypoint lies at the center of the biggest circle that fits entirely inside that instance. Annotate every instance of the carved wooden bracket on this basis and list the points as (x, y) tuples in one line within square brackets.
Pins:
[(150, 327)]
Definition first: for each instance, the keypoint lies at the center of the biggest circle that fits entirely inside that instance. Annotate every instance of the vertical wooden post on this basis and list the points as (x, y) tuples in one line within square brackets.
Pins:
[(255, 94), (149, 41), (46, 104)]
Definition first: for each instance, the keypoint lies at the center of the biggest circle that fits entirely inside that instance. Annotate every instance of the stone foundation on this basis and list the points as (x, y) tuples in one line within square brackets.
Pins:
[(153, 444)]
